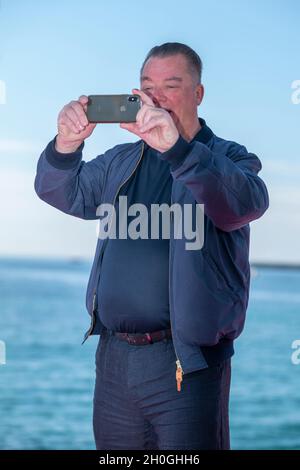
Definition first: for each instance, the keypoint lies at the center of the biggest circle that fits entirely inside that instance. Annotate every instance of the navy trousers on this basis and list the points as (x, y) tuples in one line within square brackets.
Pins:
[(137, 405)]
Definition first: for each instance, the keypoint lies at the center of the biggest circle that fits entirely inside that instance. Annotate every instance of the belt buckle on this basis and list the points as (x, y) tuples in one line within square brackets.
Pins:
[(131, 339)]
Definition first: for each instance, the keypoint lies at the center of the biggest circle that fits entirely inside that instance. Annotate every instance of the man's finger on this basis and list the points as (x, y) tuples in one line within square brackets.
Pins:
[(66, 121), (145, 98), (91, 125), (147, 112), (129, 126), (151, 124), (83, 99), (141, 114), (80, 113)]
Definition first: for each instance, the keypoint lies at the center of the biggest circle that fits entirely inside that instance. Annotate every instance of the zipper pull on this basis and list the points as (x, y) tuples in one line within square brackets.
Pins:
[(179, 375), (94, 302)]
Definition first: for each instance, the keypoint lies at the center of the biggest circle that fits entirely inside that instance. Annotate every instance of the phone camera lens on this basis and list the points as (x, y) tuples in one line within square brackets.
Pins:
[(132, 98)]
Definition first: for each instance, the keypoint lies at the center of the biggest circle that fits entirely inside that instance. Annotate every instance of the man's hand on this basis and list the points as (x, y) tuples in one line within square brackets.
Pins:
[(154, 125), (73, 126)]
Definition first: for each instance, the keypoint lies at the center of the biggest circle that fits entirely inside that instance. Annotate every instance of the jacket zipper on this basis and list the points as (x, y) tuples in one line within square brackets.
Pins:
[(93, 320), (179, 375), (179, 369)]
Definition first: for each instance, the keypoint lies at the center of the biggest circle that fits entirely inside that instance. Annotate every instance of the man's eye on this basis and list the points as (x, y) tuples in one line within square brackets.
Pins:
[(170, 86)]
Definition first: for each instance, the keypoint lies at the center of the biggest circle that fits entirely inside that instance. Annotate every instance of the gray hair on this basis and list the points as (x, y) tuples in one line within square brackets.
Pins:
[(173, 48)]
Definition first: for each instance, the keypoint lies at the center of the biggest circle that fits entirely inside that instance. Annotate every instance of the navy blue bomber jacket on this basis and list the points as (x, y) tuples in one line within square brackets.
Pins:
[(208, 288)]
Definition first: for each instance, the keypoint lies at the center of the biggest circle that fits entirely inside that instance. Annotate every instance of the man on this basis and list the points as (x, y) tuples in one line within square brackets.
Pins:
[(167, 315)]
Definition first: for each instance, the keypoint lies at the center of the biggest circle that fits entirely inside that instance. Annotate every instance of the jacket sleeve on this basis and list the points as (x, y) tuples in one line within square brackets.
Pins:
[(227, 183), (66, 182)]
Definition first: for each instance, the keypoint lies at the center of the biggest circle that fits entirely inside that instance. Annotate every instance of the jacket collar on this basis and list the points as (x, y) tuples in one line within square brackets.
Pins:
[(205, 133)]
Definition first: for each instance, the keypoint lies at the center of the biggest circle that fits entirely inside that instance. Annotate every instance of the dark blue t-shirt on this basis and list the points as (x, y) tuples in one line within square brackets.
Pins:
[(133, 290)]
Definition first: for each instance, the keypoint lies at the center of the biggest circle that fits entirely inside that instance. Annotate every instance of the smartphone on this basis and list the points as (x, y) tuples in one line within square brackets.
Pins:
[(113, 108)]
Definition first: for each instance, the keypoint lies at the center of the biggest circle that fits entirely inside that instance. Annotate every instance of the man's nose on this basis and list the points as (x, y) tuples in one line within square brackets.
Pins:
[(158, 98)]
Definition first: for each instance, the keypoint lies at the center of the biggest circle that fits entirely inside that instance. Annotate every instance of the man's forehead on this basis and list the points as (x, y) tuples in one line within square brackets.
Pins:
[(170, 68)]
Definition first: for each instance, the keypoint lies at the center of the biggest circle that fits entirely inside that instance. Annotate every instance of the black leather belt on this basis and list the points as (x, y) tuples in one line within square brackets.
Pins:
[(140, 339)]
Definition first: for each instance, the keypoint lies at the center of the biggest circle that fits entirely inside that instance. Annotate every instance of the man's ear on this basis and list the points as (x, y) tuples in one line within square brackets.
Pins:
[(199, 93)]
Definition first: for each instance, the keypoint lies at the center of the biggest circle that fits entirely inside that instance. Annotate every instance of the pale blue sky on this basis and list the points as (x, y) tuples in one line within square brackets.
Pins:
[(51, 52)]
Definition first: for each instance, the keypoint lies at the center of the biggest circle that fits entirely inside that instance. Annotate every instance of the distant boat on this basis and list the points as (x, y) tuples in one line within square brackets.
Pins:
[(75, 260)]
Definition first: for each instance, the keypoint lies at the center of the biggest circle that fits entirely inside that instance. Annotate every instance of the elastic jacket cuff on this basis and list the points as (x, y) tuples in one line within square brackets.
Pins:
[(63, 161), (176, 154)]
